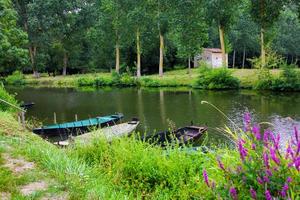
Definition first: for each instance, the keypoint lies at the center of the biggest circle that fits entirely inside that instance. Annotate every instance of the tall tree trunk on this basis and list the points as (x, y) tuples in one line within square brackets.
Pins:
[(32, 54), (138, 52), (117, 58), (161, 55), (244, 57), (65, 64), (222, 42), (233, 59), (262, 44), (189, 64)]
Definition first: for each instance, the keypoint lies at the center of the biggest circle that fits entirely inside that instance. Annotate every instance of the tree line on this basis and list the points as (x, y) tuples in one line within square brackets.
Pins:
[(142, 36)]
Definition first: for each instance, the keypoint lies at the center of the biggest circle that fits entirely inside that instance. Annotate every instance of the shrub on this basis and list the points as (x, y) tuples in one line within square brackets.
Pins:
[(127, 80), (4, 95), (216, 79), (149, 82), (17, 78), (265, 80), (86, 81), (289, 80), (266, 170), (102, 81)]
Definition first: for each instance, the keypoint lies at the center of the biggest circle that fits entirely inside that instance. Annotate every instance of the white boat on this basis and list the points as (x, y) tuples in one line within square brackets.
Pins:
[(119, 130)]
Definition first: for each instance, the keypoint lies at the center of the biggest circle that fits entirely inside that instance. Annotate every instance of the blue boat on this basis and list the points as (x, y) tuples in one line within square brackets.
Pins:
[(78, 127)]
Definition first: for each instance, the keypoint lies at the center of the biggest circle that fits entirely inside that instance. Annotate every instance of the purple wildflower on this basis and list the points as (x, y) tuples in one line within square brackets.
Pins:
[(266, 136), (253, 193), (205, 177), (266, 179), (296, 134), (233, 193), (266, 160), (284, 189), (268, 195), (274, 156), (276, 140), (260, 181), (243, 151), (256, 132), (289, 152), (253, 146), (289, 179), (221, 165), (269, 172), (247, 121)]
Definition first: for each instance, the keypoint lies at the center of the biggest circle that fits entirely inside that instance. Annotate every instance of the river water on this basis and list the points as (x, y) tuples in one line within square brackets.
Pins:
[(160, 108)]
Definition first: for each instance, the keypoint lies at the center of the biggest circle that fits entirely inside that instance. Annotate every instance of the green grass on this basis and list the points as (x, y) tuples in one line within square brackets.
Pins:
[(175, 78), (126, 168)]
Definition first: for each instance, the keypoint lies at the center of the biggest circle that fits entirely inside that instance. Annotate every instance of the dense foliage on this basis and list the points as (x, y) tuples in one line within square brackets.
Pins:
[(288, 80), (140, 36), (4, 95), (216, 79), (13, 54)]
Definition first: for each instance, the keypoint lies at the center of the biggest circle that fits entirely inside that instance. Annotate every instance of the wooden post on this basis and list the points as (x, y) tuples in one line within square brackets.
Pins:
[(76, 118), (19, 118), (23, 119), (54, 117)]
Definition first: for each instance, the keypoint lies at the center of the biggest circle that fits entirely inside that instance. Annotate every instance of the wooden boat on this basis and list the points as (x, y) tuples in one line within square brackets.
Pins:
[(185, 135), (78, 127), (27, 105), (110, 132)]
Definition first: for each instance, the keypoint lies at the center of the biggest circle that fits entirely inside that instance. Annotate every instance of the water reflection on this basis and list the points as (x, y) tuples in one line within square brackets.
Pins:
[(154, 106)]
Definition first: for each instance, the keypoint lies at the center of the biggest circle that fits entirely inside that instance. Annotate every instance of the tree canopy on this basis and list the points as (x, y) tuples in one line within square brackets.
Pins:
[(141, 36)]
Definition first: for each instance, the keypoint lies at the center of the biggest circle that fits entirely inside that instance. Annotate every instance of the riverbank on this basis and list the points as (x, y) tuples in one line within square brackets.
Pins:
[(125, 168), (176, 78)]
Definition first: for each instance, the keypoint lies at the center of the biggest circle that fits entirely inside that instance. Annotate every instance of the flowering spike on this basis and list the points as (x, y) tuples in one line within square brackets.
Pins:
[(296, 134), (243, 151), (284, 189), (268, 195), (221, 165), (247, 121), (274, 156), (233, 193), (205, 177), (266, 160), (253, 193), (256, 132)]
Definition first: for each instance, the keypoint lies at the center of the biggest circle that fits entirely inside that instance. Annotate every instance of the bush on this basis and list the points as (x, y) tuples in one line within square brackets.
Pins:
[(4, 95), (102, 81), (216, 79), (17, 78), (289, 80), (86, 81), (266, 170)]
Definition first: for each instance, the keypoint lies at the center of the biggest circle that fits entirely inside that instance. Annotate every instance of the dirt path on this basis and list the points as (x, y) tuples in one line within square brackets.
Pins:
[(20, 168)]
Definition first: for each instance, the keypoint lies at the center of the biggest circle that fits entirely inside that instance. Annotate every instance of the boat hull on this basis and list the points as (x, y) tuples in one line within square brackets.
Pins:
[(78, 128)]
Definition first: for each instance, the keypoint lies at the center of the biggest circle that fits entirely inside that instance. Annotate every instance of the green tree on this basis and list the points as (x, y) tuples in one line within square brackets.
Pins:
[(189, 29), (265, 13), (223, 13), (139, 21), (161, 14), (12, 39), (287, 39), (243, 34), (114, 16)]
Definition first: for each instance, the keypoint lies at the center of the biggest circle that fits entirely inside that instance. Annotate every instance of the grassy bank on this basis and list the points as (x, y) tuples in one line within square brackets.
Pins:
[(124, 168), (176, 78)]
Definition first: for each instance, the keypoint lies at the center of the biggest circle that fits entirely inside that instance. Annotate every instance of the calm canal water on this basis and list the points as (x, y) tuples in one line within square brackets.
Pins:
[(157, 108)]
